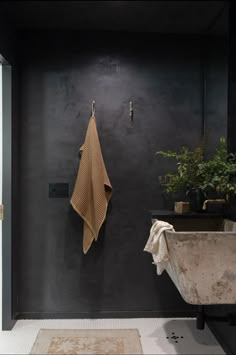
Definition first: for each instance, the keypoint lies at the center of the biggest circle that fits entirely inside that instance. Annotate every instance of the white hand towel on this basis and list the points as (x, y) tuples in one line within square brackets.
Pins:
[(156, 245)]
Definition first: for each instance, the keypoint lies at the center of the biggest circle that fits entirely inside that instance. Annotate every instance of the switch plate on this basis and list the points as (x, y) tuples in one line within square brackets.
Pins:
[(58, 190)]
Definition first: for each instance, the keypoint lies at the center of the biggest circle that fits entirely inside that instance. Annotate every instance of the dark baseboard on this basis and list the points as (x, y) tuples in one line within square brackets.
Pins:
[(102, 315), (220, 339), (8, 324)]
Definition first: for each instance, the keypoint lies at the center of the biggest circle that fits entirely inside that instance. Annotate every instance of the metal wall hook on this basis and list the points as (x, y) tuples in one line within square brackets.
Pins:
[(93, 108), (131, 111), (130, 108)]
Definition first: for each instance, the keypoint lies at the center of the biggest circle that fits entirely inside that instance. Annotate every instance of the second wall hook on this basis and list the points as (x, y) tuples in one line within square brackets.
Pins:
[(131, 111), (93, 108)]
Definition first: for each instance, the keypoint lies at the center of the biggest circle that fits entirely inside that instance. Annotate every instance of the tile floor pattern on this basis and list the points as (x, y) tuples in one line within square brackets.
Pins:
[(158, 335)]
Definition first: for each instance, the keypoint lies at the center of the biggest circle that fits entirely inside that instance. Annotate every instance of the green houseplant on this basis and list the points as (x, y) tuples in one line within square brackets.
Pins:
[(200, 178), (184, 182), (218, 173)]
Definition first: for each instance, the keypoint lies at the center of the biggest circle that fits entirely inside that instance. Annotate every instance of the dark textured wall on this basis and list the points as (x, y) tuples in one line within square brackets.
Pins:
[(60, 76), (7, 40), (231, 124), (216, 91)]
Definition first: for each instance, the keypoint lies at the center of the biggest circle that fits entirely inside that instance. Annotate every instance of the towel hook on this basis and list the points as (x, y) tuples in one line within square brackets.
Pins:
[(130, 108), (131, 111), (93, 108)]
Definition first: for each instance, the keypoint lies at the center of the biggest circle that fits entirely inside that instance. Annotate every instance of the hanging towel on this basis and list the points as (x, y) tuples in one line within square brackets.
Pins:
[(93, 189), (156, 245)]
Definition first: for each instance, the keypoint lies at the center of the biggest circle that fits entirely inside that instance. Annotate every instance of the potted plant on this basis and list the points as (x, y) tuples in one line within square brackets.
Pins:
[(201, 179), (218, 174), (185, 182)]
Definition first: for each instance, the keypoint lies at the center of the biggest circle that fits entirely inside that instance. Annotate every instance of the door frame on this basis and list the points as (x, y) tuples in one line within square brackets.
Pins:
[(7, 274)]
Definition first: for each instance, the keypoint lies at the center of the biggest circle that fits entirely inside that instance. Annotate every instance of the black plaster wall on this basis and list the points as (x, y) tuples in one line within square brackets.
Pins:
[(61, 73), (215, 57)]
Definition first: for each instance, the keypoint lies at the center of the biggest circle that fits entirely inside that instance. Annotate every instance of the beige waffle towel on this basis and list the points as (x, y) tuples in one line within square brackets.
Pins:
[(93, 189)]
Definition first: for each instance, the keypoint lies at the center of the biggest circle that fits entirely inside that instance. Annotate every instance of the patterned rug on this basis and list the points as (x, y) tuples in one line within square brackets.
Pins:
[(91, 341)]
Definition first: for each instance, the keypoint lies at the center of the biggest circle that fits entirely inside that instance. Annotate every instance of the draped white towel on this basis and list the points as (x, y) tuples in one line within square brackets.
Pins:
[(156, 244)]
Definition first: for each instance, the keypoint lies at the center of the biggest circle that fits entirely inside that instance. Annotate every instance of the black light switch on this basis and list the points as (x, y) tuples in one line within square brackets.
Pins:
[(58, 189)]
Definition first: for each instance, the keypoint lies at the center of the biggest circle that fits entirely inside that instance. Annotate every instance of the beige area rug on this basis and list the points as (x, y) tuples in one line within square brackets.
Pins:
[(91, 341)]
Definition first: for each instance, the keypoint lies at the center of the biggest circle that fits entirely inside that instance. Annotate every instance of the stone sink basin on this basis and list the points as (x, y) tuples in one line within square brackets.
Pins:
[(202, 265)]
